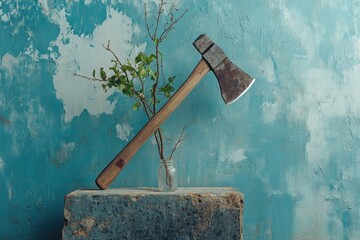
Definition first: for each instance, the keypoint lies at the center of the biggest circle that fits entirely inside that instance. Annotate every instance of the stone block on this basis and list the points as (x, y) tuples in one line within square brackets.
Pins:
[(188, 213)]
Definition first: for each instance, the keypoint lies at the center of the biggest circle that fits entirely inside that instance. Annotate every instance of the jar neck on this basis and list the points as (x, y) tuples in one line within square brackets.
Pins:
[(167, 162)]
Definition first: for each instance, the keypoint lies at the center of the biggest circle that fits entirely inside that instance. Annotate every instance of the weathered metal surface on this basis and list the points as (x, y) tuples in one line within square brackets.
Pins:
[(232, 80), (214, 56), (189, 213), (203, 43)]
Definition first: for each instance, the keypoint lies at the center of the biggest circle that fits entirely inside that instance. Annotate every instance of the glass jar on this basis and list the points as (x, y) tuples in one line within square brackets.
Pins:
[(167, 178)]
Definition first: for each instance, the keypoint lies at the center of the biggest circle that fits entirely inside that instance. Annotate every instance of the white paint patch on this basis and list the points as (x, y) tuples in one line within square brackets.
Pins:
[(36, 116), (12, 10), (2, 165), (8, 62), (2, 100), (88, 2), (269, 70), (311, 212), (45, 7), (332, 3), (4, 17), (153, 140), (300, 27), (270, 112), (238, 156), (357, 46), (10, 190), (123, 131), (67, 147), (81, 54)]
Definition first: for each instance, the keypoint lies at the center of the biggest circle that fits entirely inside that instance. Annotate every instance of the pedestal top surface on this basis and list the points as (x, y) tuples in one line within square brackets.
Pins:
[(154, 191)]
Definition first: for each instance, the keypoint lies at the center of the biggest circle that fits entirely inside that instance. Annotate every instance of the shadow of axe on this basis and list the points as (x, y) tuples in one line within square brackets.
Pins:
[(233, 84)]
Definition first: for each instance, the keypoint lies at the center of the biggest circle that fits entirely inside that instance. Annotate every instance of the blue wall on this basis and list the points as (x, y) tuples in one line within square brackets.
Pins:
[(291, 144)]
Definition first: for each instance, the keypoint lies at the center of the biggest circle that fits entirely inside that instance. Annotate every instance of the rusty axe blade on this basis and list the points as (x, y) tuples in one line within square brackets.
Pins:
[(233, 83)]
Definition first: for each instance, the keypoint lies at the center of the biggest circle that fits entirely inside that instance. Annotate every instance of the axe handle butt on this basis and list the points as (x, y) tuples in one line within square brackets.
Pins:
[(111, 171)]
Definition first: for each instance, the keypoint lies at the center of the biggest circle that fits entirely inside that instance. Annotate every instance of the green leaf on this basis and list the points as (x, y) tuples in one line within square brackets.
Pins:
[(144, 58), (121, 86), (125, 68), (156, 41), (136, 106), (93, 73), (102, 74), (138, 58), (115, 70), (141, 57), (142, 73), (150, 59), (171, 79), (167, 89)]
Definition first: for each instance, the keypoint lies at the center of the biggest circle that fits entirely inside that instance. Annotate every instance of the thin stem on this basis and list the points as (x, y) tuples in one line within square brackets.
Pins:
[(147, 23), (89, 78), (107, 48), (181, 138), (160, 11), (171, 26)]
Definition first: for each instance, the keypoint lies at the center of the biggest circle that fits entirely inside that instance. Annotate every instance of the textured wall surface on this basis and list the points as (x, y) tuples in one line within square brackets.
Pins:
[(291, 144)]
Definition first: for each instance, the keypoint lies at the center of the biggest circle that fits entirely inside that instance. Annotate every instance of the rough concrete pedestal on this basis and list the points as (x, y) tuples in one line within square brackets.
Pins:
[(188, 213)]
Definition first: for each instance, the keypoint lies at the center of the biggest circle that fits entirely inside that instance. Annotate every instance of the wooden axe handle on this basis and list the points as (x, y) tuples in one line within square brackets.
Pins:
[(113, 169)]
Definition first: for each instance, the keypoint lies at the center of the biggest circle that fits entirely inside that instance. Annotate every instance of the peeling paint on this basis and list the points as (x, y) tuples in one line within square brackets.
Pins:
[(291, 145), (123, 131), (78, 94), (45, 6), (7, 63)]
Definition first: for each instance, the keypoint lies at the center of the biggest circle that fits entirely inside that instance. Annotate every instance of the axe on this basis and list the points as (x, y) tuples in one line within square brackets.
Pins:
[(233, 84)]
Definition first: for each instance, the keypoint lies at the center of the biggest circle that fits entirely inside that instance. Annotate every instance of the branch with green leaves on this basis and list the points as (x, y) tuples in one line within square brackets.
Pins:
[(143, 78)]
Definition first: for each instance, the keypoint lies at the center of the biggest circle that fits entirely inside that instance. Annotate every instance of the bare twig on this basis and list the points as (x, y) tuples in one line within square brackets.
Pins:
[(160, 11), (89, 78), (181, 138), (107, 48), (148, 27), (171, 26)]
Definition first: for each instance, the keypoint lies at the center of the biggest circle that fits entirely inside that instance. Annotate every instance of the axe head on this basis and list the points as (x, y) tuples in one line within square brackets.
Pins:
[(233, 81)]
